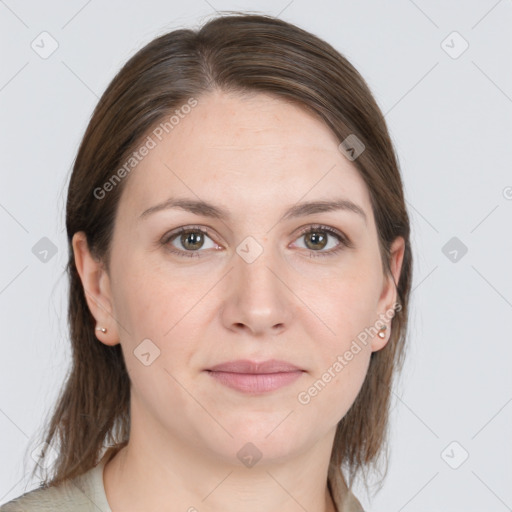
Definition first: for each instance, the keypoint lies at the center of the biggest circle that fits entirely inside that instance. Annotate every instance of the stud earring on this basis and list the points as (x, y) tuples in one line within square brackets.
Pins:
[(381, 332), (102, 329)]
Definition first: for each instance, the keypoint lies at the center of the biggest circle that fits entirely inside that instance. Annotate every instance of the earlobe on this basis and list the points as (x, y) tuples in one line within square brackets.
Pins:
[(388, 298), (96, 285)]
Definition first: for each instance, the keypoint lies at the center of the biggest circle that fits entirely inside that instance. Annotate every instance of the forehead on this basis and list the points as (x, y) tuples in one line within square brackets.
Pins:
[(246, 151)]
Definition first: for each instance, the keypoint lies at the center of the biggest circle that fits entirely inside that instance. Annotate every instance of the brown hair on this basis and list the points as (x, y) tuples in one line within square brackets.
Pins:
[(239, 53)]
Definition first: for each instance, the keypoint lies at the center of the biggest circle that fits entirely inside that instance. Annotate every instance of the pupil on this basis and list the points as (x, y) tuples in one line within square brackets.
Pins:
[(316, 238), (196, 240)]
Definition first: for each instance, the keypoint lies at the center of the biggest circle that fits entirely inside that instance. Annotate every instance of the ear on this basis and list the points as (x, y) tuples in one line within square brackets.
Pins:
[(96, 284), (389, 294)]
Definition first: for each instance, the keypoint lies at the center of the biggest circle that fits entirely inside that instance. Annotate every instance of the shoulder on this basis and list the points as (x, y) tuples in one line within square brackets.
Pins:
[(82, 494), (342, 495), (59, 498), (351, 503)]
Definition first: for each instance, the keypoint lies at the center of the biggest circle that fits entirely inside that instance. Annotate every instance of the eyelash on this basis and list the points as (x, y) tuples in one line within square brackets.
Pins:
[(344, 241)]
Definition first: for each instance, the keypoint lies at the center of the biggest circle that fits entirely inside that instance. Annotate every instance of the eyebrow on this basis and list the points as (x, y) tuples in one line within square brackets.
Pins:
[(206, 209)]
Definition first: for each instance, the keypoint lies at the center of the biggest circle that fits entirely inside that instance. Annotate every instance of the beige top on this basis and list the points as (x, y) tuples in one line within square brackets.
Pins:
[(343, 498), (86, 493)]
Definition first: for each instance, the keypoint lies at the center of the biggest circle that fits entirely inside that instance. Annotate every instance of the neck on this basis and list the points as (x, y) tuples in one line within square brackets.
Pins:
[(158, 467), (132, 483)]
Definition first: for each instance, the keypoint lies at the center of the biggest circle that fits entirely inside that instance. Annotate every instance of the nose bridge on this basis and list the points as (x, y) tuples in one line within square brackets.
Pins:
[(253, 263), (258, 298)]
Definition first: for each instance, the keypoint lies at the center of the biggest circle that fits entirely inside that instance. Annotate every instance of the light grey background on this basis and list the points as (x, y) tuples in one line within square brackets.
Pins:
[(451, 121)]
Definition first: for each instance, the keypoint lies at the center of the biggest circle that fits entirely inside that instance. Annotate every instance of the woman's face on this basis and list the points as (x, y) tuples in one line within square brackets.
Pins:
[(247, 285)]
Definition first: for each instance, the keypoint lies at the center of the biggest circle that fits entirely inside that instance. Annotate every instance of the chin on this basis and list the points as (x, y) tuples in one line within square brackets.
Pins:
[(272, 439)]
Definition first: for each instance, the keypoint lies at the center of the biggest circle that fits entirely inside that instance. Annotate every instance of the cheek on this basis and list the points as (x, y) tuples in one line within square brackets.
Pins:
[(147, 303), (344, 306), (346, 310), (332, 390), (156, 341), (158, 319)]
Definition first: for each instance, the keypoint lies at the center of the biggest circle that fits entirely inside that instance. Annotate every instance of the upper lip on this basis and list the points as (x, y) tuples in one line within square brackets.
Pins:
[(247, 366)]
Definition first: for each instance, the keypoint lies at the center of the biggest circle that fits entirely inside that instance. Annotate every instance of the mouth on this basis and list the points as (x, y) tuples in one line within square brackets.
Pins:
[(255, 377)]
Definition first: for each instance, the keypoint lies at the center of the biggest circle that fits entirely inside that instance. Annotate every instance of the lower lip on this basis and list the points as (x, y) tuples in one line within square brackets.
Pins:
[(256, 382)]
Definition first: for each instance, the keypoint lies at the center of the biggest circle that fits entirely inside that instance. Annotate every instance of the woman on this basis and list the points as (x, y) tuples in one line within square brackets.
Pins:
[(239, 270)]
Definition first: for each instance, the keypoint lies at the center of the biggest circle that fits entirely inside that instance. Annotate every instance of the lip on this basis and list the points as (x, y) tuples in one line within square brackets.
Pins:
[(255, 377), (247, 366)]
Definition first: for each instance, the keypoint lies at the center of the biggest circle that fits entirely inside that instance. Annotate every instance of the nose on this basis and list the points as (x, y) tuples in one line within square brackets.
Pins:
[(257, 300)]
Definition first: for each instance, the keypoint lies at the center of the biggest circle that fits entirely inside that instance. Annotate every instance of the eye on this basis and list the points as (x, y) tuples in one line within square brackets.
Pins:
[(317, 238), (187, 241)]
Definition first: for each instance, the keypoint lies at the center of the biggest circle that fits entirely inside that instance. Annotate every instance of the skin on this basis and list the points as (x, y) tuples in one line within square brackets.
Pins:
[(255, 156)]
